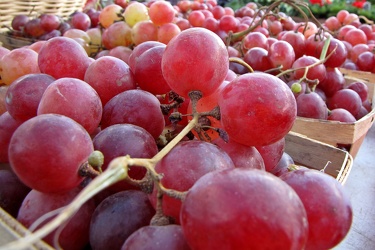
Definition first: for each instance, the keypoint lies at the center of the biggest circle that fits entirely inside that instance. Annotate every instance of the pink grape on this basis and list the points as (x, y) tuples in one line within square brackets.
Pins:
[(109, 76), (261, 118), (73, 98), (196, 59), (63, 57), (244, 209), (47, 151)]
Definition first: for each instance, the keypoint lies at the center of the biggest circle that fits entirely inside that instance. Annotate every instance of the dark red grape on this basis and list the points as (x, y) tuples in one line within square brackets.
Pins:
[(117, 217), (136, 107), (12, 192), (183, 166), (7, 127), (125, 139), (168, 237), (328, 207), (75, 234)]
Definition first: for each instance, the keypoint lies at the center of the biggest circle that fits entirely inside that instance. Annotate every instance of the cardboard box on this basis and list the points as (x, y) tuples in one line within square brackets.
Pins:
[(336, 133)]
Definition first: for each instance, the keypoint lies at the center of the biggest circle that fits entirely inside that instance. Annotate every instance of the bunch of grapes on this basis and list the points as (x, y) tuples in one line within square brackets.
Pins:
[(180, 139)]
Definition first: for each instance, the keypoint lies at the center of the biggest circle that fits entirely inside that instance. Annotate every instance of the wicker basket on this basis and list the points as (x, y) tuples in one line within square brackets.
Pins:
[(62, 8)]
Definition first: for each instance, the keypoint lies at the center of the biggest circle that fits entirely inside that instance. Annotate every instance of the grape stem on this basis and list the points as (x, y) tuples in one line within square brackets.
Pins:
[(117, 170)]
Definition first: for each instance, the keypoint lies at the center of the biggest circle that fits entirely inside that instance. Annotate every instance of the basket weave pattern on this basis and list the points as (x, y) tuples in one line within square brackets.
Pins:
[(62, 8)]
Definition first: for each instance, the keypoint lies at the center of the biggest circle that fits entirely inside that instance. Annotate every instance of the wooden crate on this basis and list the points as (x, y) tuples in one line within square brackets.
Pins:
[(317, 155), (339, 133)]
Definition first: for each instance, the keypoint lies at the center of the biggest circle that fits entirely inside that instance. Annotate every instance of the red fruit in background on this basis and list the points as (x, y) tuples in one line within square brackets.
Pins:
[(347, 99), (19, 22), (80, 20), (328, 207), (311, 105), (281, 54), (317, 72), (342, 115), (63, 57), (49, 22)]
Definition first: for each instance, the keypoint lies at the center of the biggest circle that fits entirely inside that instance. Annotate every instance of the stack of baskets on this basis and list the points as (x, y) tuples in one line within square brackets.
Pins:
[(9, 9)]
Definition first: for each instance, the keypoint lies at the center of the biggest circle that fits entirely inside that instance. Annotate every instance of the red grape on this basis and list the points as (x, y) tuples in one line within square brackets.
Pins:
[(328, 207), (244, 209), (24, 94), (75, 234), (117, 217), (47, 151), (109, 76), (311, 105), (180, 170), (255, 120), (281, 53), (196, 59), (154, 237), (347, 99), (125, 139), (272, 153), (149, 63), (63, 57), (12, 192), (241, 155), (136, 107), (73, 98), (7, 127)]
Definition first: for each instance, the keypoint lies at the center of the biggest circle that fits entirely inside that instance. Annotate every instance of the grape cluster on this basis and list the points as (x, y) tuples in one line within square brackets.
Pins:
[(176, 129)]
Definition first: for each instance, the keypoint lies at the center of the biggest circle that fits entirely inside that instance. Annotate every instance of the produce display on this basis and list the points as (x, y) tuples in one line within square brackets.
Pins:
[(151, 125)]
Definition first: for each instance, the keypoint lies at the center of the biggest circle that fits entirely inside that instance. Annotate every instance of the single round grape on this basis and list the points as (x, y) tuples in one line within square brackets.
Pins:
[(139, 49), (109, 14), (241, 155), (18, 21), (195, 60), (283, 165), (244, 209), (333, 82), (117, 217), (109, 76), (12, 192), (297, 40), (328, 207), (156, 237), (183, 166), (347, 99), (257, 58), (161, 12), (117, 34), (261, 118), (167, 31), (281, 54), (135, 12), (136, 107), (49, 22), (149, 63), (75, 234), (317, 72), (341, 115), (47, 151), (17, 63), (361, 88), (144, 31), (125, 139), (311, 105), (73, 98), (272, 153), (63, 57), (7, 127)]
